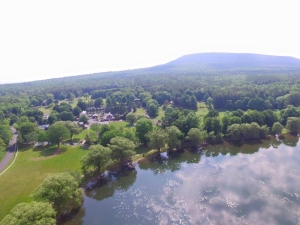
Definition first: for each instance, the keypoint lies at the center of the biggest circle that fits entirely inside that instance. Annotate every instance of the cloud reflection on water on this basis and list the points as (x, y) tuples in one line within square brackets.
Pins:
[(246, 184)]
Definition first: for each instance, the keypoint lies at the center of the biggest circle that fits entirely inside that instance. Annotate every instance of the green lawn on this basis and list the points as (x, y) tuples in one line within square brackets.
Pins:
[(74, 103), (30, 169), (140, 111), (202, 110), (119, 124), (46, 110), (161, 113)]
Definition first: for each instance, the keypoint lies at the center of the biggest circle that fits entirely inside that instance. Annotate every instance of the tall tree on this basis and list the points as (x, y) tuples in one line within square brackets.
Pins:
[(157, 139), (293, 124), (277, 128), (143, 126), (98, 157), (122, 149), (57, 132), (131, 118), (173, 140), (194, 135), (61, 190), (73, 128)]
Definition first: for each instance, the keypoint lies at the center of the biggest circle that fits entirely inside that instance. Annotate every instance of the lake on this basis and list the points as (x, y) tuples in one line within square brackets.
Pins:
[(256, 183)]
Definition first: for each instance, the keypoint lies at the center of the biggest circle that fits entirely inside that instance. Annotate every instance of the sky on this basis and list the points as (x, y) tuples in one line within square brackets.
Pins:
[(48, 39)]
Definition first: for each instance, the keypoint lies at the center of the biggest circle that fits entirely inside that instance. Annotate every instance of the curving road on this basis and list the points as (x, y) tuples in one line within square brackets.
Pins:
[(10, 150)]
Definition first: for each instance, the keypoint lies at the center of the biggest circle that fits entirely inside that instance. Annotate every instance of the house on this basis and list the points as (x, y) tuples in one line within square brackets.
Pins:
[(45, 117), (95, 116), (82, 113), (109, 117)]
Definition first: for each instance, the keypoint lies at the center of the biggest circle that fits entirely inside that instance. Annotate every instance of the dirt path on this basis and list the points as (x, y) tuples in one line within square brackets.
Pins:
[(10, 150)]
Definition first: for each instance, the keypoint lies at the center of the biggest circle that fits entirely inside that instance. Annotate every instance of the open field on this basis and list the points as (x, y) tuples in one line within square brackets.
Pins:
[(46, 110), (140, 111), (31, 168), (202, 110)]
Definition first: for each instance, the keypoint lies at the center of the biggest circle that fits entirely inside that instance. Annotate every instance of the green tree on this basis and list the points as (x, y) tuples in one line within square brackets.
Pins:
[(131, 118), (106, 137), (61, 190), (153, 109), (194, 135), (86, 96), (30, 213), (76, 111), (5, 133), (212, 124), (174, 135), (57, 132), (82, 105), (277, 128), (130, 134), (256, 104), (96, 128), (157, 139), (264, 131), (209, 102), (98, 102), (234, 132), (143, 127), (83, 119), (66, 116), (122, 149), (73, 128), (225, 123), (27, 131), (98, 157), (42, 136), (293, 124)]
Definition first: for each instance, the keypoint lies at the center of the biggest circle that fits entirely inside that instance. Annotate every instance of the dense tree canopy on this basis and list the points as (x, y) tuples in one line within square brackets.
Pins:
[(61, 190), (30, 213)]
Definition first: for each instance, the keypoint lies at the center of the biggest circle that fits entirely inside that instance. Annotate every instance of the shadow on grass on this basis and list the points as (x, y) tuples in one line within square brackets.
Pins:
[(23, 147), (142, 149), (51, 150)]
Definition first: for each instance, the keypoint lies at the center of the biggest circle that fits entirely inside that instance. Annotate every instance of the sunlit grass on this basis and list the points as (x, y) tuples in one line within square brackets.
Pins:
[(31, 168), (46, 110)]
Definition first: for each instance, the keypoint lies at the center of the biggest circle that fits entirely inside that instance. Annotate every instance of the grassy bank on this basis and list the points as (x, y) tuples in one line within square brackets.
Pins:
[(31, 168)]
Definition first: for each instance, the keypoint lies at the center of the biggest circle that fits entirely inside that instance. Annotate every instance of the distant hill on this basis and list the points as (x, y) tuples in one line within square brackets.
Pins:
[(233, 61), (200, 64)]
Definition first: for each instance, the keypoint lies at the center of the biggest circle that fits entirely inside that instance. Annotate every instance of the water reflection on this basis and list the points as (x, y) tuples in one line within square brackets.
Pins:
[(253, 183), (121, 181)]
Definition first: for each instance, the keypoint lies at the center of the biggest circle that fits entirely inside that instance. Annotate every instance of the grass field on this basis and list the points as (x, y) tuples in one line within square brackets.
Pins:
[(30, 169), (46, 110), (202, 110), (119, 124), (140, 111)]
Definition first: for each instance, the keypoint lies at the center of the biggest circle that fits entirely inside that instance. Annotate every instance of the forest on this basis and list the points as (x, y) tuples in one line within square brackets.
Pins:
[(166, 108)]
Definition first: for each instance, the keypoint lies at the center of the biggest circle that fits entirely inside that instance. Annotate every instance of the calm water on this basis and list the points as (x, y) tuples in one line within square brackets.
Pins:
[(256, 183)]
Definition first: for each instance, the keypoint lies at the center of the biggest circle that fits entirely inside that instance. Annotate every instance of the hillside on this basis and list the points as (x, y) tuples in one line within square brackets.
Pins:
[(200, 65), (234, 61)]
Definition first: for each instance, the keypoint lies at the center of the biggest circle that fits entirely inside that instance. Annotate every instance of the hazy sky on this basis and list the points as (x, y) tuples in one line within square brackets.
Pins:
[(45, 39)]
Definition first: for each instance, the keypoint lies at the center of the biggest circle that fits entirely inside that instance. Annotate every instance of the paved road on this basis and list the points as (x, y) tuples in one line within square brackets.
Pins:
[(10, 150)]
